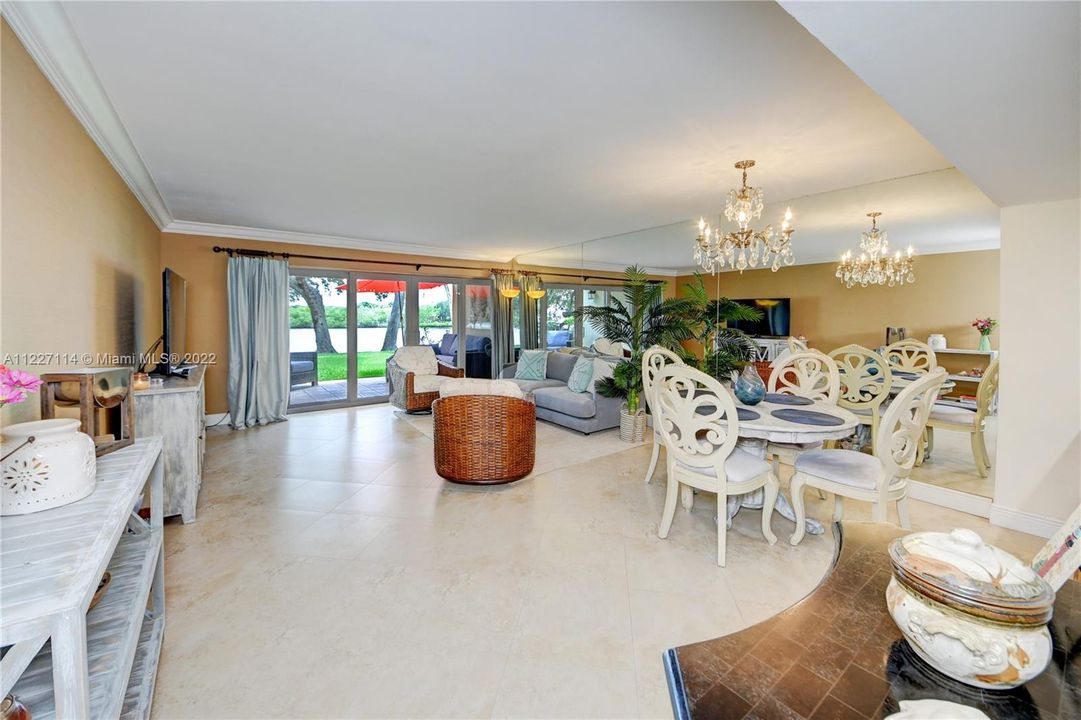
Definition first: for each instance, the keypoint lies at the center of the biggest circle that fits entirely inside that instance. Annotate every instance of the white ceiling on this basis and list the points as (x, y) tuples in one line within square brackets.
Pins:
[(996, 86), (935, 212), (484, 129)]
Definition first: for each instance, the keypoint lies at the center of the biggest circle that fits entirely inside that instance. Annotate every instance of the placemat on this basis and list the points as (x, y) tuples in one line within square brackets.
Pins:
[(782, 399), (741, 412), (906, 374), (806, 417)]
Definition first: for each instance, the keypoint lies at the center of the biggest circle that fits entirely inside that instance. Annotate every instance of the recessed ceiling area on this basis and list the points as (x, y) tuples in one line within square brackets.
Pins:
[(935, 212), (486, 129)]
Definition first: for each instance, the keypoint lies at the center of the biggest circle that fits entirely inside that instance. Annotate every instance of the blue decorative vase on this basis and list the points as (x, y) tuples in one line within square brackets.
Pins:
[(748, 386)]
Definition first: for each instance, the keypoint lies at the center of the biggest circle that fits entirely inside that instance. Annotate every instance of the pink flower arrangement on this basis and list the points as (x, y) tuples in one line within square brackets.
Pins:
[(985, 325), (15, 385)]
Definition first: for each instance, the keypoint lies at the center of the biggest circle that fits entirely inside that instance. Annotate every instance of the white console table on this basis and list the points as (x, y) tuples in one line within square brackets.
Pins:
[(62, 661), (177, 412)]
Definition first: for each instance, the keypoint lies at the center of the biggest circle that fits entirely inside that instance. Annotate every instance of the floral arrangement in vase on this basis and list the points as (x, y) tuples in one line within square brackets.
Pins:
[(986, 326), (15, 385)]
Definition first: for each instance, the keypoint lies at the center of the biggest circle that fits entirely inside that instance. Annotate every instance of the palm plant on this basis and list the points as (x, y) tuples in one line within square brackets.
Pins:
[(642, 319), (724, 349)]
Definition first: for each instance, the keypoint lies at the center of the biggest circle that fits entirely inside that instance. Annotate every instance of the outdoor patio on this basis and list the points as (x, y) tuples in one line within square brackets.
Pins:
[(335, 391)]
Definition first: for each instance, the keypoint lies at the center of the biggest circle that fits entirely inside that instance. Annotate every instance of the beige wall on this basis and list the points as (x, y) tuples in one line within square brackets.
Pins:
[(81, 267), (1038, 468), (950, 291), (208, 331)]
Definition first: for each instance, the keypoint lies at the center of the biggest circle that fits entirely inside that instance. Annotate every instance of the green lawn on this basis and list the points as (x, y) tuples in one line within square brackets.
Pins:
[(369, 364)]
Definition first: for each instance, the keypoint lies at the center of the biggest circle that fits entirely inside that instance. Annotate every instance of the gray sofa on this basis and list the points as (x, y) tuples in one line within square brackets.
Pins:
[(556, 403)]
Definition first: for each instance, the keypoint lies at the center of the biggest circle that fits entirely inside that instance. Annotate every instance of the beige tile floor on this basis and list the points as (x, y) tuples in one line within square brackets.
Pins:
[(951, 464), (331, 573)]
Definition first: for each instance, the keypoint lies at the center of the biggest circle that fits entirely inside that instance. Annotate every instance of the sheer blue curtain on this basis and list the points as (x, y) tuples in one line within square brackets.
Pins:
[(258, 340)]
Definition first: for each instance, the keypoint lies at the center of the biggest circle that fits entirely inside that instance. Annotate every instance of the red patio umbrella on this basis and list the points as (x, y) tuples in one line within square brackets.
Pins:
[(387, 286)]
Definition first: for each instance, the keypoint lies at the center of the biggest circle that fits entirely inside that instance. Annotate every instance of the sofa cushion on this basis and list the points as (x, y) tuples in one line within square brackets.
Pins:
[(448, 345), (602, 368), (564, 400), (529, 386), (447, 359), (419, 359), (581, 375), (560, 366), (298, 366), (531, 365), (427, 383), (471, 386)]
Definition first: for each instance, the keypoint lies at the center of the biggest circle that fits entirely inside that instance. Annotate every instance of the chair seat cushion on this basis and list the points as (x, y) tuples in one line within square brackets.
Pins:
[(953, 414), (847, 467), (298, 366), (535, 385), (427, 383), (564, 400), (741, 466)]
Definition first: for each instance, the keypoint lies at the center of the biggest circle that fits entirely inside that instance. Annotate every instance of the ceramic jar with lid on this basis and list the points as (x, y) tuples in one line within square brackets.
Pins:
[(973, 611), (937, 341)]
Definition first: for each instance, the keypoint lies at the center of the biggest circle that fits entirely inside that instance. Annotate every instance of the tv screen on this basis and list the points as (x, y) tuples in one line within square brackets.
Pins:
[(776, 317), (174, 303)]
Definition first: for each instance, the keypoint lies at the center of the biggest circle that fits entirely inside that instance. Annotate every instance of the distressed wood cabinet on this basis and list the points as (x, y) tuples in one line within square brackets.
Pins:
[(176, 411)]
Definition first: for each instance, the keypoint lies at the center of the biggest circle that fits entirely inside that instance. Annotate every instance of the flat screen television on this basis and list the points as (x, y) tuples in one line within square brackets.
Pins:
[(174, 322), (776, 317)]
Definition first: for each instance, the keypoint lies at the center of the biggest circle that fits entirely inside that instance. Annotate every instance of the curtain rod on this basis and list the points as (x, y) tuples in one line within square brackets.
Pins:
[(244, 252)]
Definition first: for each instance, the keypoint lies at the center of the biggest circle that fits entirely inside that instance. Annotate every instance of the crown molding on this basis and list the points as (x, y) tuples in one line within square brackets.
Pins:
[(600, 266), (186, 227), (45, 31)]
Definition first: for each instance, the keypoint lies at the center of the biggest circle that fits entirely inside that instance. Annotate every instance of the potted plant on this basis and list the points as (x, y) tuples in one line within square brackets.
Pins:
[(724, 349), (641, 319), (985, 326)]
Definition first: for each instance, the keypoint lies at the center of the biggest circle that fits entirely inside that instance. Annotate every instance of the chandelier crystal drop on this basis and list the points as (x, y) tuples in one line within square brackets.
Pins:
[(875, 265), (745, 247)]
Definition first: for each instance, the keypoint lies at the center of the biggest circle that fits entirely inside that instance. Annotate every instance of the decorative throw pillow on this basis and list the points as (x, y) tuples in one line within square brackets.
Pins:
[(581, 375), (532, 365), (601, 369)]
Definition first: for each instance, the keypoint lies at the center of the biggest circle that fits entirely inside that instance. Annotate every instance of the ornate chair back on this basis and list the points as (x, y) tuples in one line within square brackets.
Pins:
[(910, 356), (795, 345), (985, 391), (809, 374), (653, 359), (865, 378), (901, 430), (695, 417)]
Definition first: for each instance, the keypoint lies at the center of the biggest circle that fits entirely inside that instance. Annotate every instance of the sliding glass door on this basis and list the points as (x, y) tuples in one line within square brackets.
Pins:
[(561, 327), (344, 327)]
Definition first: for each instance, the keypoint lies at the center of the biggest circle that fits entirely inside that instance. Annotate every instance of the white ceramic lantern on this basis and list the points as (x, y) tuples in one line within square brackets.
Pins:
[(971, 610), (58, 468)]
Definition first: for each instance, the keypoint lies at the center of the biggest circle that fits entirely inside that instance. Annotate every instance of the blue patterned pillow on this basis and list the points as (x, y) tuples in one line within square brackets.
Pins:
[(532, 365), (581, 375)]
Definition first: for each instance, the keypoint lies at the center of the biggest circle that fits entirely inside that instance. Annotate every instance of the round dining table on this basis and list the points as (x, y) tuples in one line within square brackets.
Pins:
[(786, 419), (901, 379)]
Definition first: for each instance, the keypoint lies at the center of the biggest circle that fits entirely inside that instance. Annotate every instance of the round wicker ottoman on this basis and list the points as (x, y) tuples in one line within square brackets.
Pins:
[(484, 439)]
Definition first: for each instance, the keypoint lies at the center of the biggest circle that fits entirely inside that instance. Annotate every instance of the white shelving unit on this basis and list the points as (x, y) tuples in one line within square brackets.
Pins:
[(971, 382), (61, 661)]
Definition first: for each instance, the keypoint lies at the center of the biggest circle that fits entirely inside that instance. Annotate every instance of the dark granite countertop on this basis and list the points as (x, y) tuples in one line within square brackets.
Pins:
[(838, 654)]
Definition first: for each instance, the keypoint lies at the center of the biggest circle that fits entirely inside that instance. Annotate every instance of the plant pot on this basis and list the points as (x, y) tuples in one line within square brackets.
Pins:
[(58, 468), (632, 426)]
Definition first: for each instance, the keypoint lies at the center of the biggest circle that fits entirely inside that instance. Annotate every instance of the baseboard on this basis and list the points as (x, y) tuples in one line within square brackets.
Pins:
[(947, 497), (1039, 525), (217, 419)]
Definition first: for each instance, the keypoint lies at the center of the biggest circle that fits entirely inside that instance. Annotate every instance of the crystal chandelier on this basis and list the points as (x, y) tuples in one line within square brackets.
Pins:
[(875, 265), (746, 247)]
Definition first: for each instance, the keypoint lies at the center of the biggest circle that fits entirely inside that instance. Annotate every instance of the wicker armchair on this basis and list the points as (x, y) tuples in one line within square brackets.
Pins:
[(484, 439), (401, 382)]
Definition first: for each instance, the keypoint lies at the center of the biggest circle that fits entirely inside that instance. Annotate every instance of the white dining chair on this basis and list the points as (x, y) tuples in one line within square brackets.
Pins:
[(653, 360), (699, 426), (910, 356), (865, 383), (959, 419), (795, 345), (809, 374), (879, 478)]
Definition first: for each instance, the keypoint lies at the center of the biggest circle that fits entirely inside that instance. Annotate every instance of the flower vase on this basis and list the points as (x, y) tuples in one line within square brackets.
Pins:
[(985, 342)]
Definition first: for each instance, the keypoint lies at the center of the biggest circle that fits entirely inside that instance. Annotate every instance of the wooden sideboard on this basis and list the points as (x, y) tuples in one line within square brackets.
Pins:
[(176, 411)]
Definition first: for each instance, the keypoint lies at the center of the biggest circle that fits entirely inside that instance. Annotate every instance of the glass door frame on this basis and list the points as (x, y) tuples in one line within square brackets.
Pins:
[(580, 289)]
